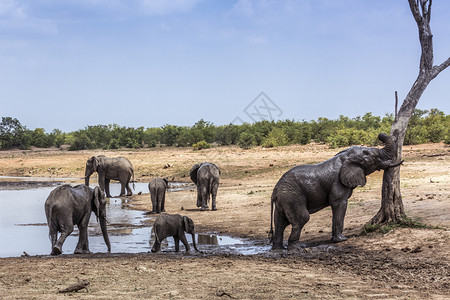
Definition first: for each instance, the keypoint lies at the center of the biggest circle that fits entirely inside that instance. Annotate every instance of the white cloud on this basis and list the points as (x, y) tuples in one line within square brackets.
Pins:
[(12, 9)]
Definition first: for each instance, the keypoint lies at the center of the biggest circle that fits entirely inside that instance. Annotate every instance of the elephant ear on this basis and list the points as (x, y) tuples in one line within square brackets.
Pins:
[(186, 223), (351, 173), (193, 173), (95, 163), (166, 180), (97, 197)]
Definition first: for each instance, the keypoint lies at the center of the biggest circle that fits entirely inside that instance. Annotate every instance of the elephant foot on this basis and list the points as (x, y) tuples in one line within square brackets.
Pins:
[(155, 250), (278, 247), (163, 210), (130, 194), (56, 251), (204, 208), (214, 208), (108, 196), (339, 238)]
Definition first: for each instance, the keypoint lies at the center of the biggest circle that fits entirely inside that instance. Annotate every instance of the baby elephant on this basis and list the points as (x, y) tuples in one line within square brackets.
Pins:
[(157, 188), (173, 225)]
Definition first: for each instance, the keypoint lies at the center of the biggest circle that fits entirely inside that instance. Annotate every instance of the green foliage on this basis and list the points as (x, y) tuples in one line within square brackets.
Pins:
[(425, 127), (247, 140), (276, 137), (201, 145), (13, 134), (352, 136)]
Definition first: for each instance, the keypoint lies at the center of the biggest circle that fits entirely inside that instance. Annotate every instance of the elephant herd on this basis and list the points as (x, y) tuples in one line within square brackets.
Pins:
[(301, 191)]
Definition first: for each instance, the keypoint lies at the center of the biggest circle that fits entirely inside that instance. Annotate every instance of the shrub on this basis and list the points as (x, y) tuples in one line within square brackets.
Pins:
[(247, 140), (201, 145), (276, 137)]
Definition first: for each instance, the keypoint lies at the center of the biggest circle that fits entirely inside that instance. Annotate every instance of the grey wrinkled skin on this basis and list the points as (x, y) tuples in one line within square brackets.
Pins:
[(206, 177), (173, 225), (157, 188), (306, 189), (116, 168), (67, 206)]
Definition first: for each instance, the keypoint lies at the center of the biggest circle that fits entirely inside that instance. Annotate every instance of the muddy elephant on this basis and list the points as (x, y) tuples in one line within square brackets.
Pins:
[(157, 188), (116, 168), (67, 206), (306, 189), (206, 177), (173, 225)]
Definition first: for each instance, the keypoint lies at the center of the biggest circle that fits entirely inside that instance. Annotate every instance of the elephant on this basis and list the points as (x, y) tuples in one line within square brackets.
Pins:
[(306, 189), (116, 168), (206, 177), (173, 225), (67, 206), (157, 188)]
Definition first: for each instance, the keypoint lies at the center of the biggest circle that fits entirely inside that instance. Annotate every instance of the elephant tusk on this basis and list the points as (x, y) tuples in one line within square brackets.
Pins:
[(396, 164)]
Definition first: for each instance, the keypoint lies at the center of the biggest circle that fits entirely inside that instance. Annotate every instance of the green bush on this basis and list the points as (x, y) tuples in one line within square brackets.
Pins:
[(247, 140), (201, 145), (276, 137), (351, 136)]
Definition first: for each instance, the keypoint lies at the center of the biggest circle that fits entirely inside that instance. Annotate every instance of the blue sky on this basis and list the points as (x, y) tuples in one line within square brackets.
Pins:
[(67, 64)]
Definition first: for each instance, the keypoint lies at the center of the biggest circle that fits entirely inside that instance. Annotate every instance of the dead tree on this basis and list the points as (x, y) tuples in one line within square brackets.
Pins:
[(391, 202)]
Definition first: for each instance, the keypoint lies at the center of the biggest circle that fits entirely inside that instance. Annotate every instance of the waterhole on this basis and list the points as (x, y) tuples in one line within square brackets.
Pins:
[(23, 224)]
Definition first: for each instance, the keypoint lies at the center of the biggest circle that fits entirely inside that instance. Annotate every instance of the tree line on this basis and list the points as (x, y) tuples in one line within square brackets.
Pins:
[(425, 126)]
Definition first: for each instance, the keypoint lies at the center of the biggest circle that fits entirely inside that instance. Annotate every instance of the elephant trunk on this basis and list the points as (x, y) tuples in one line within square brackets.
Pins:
[(105, 232), (388, 152), (193, 242), (87, 175)]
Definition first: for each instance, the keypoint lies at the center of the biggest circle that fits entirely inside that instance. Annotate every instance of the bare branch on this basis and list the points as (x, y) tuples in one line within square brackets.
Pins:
[(438, 69), (413, 5), (429, 11)]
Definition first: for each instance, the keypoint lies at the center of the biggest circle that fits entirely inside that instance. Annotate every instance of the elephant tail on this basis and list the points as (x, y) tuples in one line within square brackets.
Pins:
[(132, 174), (273, 198)]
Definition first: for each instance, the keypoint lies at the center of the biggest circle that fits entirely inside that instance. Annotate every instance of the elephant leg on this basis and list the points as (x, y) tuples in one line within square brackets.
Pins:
[(281, 222), (339, 209), (163, 201), (123, 184), (153, 199), (108, 193), (83, 243), (53, 232), (199, 196), (205, 196), (156, 246), (129, 191), (185, 242), (298, 216), (66, 230), (213, 196), (176, 239)]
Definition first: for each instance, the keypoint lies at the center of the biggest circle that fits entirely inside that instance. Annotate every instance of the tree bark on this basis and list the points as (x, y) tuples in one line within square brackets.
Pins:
[(392, 209)]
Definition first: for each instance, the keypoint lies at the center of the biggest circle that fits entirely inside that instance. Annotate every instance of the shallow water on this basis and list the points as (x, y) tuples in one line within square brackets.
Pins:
[(23, 226)]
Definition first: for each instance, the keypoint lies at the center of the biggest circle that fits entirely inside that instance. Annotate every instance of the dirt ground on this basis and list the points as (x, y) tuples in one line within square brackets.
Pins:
[(404, 263)]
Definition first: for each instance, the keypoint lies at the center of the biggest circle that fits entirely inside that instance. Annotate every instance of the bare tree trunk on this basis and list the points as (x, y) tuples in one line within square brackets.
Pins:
[(391, 202)]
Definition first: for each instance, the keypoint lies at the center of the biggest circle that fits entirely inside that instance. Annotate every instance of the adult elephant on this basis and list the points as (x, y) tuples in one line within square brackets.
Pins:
[(157, 187), (116, 168), (306, 189), (67, 206), (206, 176)]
